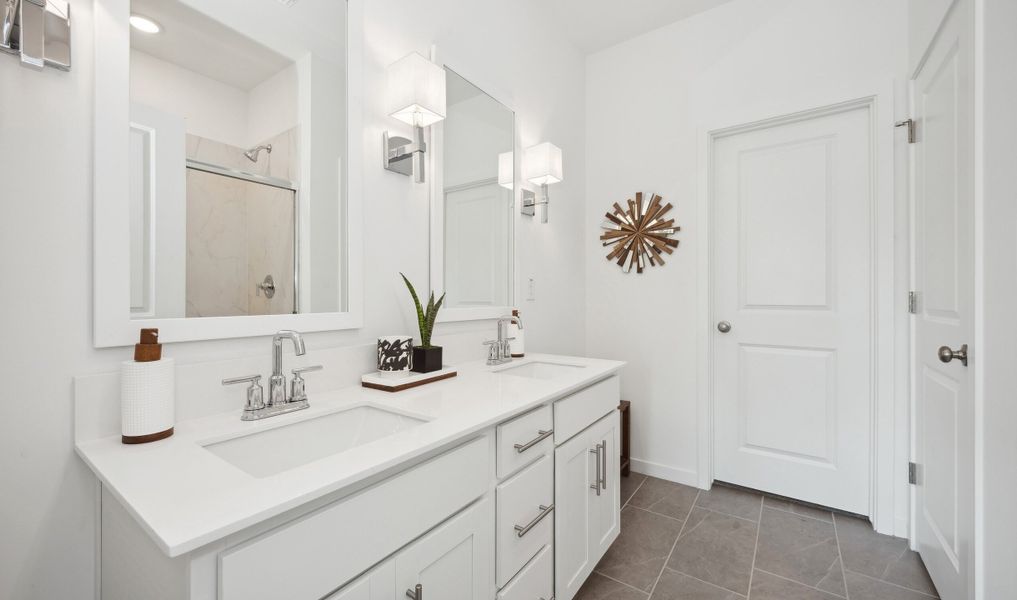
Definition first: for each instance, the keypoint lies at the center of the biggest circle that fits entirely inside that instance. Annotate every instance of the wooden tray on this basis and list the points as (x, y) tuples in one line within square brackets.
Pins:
[(398, 384)]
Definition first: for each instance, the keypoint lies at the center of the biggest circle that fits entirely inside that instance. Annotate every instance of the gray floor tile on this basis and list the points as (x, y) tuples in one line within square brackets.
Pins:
[(909, 571), (801, 549), (678, 586), (865, 551), (716, 548), (799, 509), (629, 485), (598, 587), (861, 587), (730, 501), (639, 553), (769, 587), (664, 497)]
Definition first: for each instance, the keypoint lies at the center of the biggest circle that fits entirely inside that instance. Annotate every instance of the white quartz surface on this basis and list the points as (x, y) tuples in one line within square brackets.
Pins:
[(185, 496)]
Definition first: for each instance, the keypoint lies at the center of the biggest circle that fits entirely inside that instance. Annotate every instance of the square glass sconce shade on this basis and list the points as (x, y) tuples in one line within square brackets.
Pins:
[(416, 91), (543, 164)]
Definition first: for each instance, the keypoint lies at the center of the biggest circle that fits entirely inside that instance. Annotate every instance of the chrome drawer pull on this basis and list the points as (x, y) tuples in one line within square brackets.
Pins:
[(417, 594), (520, 448), (596, 485), (544, 511), (603, 462)]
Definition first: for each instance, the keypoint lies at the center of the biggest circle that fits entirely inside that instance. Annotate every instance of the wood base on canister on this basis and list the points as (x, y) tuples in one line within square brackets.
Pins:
[(144, 439)]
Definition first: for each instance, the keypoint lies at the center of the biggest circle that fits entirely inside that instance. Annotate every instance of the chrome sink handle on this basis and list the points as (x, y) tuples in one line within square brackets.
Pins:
[(255, 393), (297, 389)]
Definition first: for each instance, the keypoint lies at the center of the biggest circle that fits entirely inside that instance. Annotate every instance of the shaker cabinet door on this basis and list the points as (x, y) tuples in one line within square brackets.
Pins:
[(455, 561), (574, 475), (605, 523), (378, 584)]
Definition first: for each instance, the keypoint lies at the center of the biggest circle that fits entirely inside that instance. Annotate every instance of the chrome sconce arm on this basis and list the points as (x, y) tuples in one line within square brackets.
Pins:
[(406, 156), (39, 31)]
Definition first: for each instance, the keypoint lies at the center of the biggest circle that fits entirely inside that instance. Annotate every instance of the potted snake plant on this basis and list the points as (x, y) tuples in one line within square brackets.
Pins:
[(426, 358)]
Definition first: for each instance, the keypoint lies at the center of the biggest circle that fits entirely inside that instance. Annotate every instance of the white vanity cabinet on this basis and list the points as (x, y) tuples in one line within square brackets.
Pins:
[(587, 493), (521, 508)]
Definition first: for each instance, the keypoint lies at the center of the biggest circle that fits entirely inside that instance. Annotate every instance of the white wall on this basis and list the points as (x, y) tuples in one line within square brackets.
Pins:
[(273, 106), (648, 102), (47, 495), (996, 520), (211, 109)]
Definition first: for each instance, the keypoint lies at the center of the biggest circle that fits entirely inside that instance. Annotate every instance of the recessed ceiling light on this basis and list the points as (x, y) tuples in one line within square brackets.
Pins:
[(145, 24)]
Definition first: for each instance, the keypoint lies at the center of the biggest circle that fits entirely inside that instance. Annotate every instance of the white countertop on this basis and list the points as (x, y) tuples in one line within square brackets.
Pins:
[(185, 496)]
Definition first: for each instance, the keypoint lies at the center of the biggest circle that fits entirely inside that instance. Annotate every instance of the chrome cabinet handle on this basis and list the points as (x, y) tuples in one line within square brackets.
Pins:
[(596, 483), (603, 462), (946, 354), (522, 530), (416, 594), (723, 327), (542, 435)]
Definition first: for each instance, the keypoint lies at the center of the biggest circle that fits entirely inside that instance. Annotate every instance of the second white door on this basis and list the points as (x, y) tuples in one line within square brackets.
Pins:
[(792, 296)]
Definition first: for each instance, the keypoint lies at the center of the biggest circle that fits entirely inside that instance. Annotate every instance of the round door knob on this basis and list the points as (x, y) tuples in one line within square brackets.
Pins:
[(946, 354), (723, 327)]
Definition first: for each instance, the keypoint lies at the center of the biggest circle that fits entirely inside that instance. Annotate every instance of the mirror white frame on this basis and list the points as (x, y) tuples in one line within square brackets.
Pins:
[(437, 197), (112, 322)]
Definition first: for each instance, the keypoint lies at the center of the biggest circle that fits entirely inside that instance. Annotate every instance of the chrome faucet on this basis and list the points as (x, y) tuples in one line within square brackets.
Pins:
[(500, 351), (277, 382), (279, 402)]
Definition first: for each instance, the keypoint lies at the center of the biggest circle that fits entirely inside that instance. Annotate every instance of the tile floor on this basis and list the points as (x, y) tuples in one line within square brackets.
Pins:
[(678, 543)]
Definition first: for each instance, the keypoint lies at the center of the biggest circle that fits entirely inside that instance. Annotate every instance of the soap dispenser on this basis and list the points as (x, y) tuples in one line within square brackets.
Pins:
[(147, 392)]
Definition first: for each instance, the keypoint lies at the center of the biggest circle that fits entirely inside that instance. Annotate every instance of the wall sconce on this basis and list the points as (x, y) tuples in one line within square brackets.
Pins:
[(506, 174), (416, 91), (542, 167)]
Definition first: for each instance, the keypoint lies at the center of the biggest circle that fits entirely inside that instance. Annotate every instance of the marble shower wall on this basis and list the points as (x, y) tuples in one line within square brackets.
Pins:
[(238, 231)]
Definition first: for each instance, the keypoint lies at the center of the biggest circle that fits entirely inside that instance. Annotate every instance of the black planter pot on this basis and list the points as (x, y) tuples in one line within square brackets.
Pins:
[(426, 360)]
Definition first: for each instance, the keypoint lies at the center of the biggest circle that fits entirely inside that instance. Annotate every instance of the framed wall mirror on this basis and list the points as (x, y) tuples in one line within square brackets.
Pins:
[(472, 199), (227, 189)]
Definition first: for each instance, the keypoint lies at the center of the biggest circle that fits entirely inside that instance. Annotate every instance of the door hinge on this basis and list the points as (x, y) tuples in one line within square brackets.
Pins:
[(910, 124), (912, 473), (913, 303)]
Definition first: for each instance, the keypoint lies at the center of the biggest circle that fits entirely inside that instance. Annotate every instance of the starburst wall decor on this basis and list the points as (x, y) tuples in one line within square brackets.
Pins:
[(639, 236)]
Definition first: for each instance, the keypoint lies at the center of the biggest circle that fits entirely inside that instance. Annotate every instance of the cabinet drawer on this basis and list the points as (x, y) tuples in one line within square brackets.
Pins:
[(575, 413), (519, 505), (534, 582), (521, 432), (323, 550)]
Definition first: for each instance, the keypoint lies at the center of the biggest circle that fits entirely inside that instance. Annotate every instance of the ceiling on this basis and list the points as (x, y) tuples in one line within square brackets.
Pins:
[(201, 44), (593, 25), (241, 42)]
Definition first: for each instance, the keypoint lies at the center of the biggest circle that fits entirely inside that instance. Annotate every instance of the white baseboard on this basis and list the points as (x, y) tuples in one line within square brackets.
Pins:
[(684, 476)]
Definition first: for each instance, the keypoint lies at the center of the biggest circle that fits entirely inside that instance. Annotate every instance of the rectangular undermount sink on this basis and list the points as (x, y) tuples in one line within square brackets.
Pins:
[(540, 370), (272, 451)]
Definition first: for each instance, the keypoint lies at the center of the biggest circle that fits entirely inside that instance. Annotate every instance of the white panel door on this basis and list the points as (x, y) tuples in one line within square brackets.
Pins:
[(944, 279), (792, 277), (476, 237), (455, 561)]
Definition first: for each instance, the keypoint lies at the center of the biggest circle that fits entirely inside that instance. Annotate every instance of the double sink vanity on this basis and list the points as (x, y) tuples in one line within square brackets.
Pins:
[(499, 483)]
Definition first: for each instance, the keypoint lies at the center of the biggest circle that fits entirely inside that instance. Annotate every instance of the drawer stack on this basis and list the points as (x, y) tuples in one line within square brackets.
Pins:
[(525, 506)]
